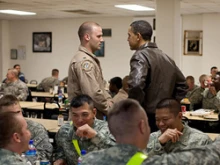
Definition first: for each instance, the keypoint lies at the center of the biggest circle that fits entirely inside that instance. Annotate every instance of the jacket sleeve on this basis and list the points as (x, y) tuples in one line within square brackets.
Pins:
[(89, 85), (139, 69), (103, 139), (154, 147), (23, 92)]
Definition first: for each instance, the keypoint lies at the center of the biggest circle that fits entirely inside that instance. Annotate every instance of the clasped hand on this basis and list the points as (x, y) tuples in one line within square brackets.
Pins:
[(86, 131), (170, 134)]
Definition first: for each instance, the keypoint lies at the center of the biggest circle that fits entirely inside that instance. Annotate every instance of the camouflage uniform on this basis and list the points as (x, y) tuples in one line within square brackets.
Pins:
[(65, 149), (210, 101), (16, 88), (121, 154), (47, 83), (190, 138), (196, 97), (41, 140), (10, 158), (189, 92)]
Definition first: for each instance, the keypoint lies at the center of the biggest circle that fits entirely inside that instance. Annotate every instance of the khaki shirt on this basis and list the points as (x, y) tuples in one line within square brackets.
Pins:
[(85, 77)]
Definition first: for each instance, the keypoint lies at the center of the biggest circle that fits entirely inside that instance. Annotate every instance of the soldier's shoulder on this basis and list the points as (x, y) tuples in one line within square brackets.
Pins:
[(196, 134), (34, 124), (65, 129)]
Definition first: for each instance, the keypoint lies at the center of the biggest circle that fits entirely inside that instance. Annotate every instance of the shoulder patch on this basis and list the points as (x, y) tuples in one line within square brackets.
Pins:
[(87, 65)]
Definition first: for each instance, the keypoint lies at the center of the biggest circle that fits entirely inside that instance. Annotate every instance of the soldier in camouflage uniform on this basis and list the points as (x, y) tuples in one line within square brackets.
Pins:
[(173, 135), (211, 96), (191, 84), (128, 123), (196, 96), (91, 133), (48, 82), (15, 86), (14, 138), (38, 133)]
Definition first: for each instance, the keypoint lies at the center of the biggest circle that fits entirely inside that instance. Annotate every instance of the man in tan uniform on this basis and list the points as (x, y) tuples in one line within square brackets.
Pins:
[(85, 74)]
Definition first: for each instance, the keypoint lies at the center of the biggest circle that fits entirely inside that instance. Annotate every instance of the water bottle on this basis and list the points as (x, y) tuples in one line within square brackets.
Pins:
[(60, 118), (60, 97), (31, 154), (83, 152)]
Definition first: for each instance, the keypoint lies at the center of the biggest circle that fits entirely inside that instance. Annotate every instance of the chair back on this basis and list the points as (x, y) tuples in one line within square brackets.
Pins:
[(33, 82)]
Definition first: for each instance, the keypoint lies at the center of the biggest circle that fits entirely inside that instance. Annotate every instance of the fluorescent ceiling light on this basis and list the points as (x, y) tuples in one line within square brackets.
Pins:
[(16, 12), (135, 7)]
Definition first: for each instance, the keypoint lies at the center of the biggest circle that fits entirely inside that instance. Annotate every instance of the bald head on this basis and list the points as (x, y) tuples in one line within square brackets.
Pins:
[(86, 27), (128, 122), (12, 75)]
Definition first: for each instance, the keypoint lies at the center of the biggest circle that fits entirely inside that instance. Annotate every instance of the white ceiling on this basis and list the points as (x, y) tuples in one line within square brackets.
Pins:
[(58, 8)]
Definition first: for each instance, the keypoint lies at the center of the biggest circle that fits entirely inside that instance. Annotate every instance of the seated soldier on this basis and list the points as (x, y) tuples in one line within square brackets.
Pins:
[(211, 96), (15, 86), (196, 96), (48, 82), (14, 138), (129, 124), (114, 85), (88, 132), (213, 72), (191, 84), (20, 74), (39, 135), (123, 92), (173, 135)]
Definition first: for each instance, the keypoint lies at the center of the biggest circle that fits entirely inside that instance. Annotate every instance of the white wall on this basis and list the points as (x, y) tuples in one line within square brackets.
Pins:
[(117, 53), (198, 65), (65, 43)]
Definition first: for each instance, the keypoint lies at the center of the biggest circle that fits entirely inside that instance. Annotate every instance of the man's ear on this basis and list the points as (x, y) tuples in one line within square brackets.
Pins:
[(180, 115), (87, 37), (142, 126), (139, 36), (94, 111), (16, 137)]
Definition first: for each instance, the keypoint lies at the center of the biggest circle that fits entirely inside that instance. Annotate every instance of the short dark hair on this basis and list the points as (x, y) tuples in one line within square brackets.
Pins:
[(117, 81), (9, 125), (85, 28), (191, 78), (8, 100), (80, 100), (122, 117), (214, 67), (172, 104), (55, 72), (16, 65), (142, 27)]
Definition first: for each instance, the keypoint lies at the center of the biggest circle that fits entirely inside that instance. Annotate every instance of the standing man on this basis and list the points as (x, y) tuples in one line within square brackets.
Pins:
[(85, 73), (153, 75), (14, 138), (20, 74)]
